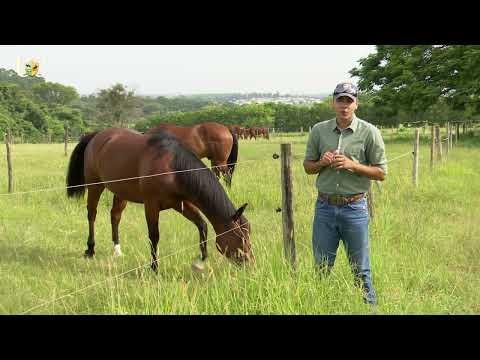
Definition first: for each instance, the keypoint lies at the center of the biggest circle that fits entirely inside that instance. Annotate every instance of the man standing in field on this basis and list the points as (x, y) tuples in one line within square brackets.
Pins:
[(346, 153)]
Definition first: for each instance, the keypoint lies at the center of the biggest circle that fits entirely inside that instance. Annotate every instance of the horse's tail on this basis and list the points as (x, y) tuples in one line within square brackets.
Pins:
[(75, 175), (232, 158)]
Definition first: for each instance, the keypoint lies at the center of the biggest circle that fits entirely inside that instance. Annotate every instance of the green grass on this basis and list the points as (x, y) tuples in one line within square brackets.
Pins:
[(424, 242)]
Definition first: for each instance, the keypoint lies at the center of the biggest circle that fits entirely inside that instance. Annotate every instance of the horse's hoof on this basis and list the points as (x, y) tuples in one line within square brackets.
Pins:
[(88, 254), (154, 267), (198, 266), (117, 252)]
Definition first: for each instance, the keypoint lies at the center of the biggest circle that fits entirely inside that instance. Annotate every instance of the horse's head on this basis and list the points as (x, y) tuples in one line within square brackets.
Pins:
[(234, 242)]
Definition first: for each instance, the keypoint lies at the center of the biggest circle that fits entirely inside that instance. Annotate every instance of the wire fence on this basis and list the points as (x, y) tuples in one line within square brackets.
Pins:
[(160, 258), (119, 275), (127, 179)]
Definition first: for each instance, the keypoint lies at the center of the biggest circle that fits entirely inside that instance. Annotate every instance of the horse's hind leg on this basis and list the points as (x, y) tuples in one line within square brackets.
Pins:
[(151, 215), (116, 214), (216, 169), (220, 168), (227, 176), (193, 214), (94, 193)]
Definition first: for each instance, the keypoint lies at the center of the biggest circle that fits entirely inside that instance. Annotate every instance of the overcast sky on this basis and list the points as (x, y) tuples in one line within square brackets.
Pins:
[(188, 69)]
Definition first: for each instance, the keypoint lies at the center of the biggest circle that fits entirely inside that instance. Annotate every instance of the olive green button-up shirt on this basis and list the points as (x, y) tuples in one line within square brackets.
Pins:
[(361, 142)]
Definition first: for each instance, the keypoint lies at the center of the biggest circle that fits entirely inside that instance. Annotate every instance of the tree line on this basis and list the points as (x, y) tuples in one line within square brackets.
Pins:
[(398, 85)]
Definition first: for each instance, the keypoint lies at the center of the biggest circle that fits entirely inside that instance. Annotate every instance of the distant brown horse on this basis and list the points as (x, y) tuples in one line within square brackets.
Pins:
[(236, 129), (114, 154), (252, 132), (241, 132), (264, 132), (208, 140)]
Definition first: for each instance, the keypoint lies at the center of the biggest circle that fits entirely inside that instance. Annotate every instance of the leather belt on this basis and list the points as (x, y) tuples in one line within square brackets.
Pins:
[(334, 199)]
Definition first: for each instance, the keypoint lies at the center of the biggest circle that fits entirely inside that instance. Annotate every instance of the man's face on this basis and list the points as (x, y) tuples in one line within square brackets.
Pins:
[(344, 107)]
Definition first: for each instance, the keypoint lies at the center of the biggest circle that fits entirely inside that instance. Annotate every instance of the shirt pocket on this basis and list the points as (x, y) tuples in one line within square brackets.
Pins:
[(356, 152)]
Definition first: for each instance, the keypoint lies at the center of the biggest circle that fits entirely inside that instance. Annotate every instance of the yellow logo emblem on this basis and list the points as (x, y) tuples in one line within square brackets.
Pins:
[(30, 68)]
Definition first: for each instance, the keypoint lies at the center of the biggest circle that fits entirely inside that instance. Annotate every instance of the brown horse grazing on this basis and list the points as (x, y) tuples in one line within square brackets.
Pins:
[(211, 140), (114, 154)]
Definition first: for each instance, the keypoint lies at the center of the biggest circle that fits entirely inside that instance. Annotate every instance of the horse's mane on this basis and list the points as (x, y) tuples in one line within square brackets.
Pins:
[(202, 184)]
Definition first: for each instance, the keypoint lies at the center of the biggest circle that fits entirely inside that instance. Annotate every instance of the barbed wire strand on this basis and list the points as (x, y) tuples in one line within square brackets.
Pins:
[(126, 179), (399, 157), (122, 274), (148, 176)]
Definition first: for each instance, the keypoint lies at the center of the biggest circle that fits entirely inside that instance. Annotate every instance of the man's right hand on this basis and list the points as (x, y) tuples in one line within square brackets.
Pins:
[(314, 167), (327, 159)]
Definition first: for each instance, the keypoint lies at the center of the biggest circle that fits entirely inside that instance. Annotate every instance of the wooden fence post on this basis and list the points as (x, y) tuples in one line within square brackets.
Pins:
[(287, 205), (9, 161), (438, 141), (416, 148), (65, 139), (452, 134), (450, 138), (447, 145), (371, 201), (432, 148)]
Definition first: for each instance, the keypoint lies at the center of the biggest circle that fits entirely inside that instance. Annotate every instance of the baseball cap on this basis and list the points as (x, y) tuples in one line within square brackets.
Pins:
[(345, 89)]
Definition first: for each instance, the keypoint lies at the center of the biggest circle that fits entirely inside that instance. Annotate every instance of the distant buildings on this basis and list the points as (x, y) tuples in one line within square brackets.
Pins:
[(249, 98), (292, 100)]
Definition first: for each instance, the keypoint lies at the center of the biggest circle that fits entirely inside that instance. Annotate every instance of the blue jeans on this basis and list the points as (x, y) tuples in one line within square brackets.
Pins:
[(349, 223)]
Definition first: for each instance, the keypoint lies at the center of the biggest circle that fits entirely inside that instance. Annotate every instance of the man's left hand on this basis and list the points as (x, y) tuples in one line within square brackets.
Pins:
[(342, 162)]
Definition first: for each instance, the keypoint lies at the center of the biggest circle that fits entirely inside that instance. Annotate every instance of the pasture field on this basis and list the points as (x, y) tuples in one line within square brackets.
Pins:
[(425, 242)]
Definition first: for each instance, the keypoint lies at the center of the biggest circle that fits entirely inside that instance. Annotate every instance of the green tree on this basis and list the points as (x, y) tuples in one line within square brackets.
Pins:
[(11, 77), (411, 78), (118, 106), (54, 94), (87, 105), (6, 120), (70, 118), (17, 102)]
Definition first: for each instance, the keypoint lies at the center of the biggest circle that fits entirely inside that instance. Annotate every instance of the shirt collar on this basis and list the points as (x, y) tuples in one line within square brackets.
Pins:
[(353, 125)]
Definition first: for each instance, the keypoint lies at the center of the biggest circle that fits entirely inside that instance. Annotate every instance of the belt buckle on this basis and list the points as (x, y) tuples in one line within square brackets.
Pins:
[(331, 199), (337, 200)]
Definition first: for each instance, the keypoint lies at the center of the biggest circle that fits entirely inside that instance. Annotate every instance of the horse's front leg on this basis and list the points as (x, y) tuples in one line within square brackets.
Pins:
[(152, 211), (116, 215), (94, 193), (189, 210)]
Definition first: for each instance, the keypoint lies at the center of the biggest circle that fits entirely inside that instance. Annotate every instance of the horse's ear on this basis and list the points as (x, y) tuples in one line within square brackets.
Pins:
[(239, 212)]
